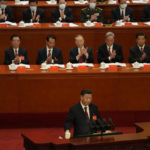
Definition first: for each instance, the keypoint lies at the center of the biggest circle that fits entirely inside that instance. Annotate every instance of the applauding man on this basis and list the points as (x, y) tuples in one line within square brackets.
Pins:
[(6, 13), (33, 13), (62, 13), (110, 52), (50, 54), (16, 53), (81, 53), (140, 52), (92, 13)]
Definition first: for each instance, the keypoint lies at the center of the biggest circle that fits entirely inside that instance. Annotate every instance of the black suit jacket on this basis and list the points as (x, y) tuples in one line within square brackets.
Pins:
[(115, 14), (77, 118), (27, 15), (56, 55), (56, 14), (9, 56), (74, 53), (9, 13), (146, 14), (135, 54), (103, 54)]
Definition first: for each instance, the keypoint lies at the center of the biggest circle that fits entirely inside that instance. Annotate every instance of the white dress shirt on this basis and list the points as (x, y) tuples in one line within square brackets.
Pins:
[(51, 51), (141, 47), (111, 49), (60, 19), (83, 107)]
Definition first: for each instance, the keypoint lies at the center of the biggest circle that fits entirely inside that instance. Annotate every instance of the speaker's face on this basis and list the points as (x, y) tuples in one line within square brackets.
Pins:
[(86, 99)]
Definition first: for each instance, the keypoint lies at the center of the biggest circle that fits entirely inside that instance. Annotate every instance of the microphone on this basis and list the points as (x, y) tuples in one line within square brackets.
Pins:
[(112, 124)]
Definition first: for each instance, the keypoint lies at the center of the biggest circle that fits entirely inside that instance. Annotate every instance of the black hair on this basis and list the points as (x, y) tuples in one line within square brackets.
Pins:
[(15, 35), (50, 37), (30, 1), (140, 34), (85, 91)]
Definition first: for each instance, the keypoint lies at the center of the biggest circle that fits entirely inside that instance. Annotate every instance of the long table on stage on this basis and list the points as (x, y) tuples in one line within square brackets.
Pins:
[(36, 91), (34, 38), (135, 141), (76, 9)]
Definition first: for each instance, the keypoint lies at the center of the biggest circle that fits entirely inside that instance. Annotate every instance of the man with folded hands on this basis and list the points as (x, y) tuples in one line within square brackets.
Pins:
[(62, 13), (80, 53), (16, 54), (50, 54)]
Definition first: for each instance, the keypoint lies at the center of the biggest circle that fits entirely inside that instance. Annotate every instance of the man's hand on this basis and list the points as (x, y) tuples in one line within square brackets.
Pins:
[(113, 55), (126, 18), (84, 51), (49, 59), (17, 60), (3, 16), (38, 18), (143, 56), (67, 134), (93, 17)]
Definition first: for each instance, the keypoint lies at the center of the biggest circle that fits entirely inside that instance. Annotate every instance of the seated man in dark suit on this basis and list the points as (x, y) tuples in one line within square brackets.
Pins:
[(81, 53), (6, 13), (62, 13), (16, 53), (146, 14), (92, 13), (50, 54), (141, 52), (122, 12), (110, 52), (81, 114), (33, 13)]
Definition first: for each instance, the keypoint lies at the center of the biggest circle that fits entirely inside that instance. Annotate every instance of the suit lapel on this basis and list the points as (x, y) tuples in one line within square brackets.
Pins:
[(82, 111), (106, 50), (12, 54), (138, 51)]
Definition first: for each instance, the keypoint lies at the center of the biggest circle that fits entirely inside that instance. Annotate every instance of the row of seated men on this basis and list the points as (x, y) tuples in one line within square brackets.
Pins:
[(64, 13), (107, 52)]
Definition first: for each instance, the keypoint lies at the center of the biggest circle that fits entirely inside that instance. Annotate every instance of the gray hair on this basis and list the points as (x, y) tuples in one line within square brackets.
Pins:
[(109, 34)]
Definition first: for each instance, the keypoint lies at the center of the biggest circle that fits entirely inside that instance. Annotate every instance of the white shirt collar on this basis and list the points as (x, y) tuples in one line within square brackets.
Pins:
[(79, 49), (141, 47), (47, 48), (111, 48), (84, 106), (15, 49)]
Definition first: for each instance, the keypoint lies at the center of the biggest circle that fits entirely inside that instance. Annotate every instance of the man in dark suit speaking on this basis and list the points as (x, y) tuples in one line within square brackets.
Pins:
[(81, 115)]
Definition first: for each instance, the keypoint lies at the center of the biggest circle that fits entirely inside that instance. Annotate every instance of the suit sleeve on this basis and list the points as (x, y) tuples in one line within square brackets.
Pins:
[(54, 16), (132, 19), (145, 16), (83, 17), (100, 17), (25, 61), (10, 16), (119, 56), (90, 58), (25, 17), (42, 16), (69, 16), (133, 57), (113, 16), (59, 58), (73, 57), (147, 59), (7, 61), (39, 59), (69, 121), (101, 56)]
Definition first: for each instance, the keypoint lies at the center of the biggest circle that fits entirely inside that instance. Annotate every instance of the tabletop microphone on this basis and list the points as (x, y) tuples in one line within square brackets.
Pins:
[(112, 124)]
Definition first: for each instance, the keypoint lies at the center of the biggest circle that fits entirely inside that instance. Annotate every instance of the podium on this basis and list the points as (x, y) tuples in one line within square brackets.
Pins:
[(135, 141)]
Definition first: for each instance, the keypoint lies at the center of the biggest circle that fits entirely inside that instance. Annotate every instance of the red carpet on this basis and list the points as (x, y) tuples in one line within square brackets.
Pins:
[(10, 139)]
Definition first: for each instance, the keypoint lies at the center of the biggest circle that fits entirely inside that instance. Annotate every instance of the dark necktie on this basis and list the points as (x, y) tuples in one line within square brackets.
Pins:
[(122, 14), (109, 51), (2, 11), (16, 53), (141, 49), (49, 53), (86, 113), (81, 59)]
